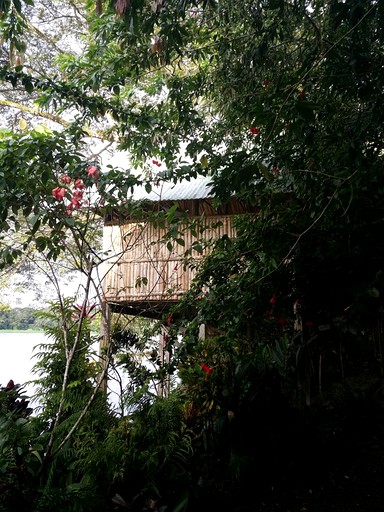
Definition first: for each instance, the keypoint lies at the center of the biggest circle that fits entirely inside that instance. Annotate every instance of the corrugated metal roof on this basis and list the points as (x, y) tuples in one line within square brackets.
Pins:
[(196, 188)]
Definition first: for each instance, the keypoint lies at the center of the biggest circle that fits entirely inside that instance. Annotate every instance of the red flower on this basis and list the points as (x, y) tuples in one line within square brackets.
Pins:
[(65, 179), (75, 204), (254, 131), (281, 321), (59, 193), (309, 324), (86, 311), (273, 299), (276, 170), (155, 162), (78, 194), (265, 83), (79, 184), (302, 94), (93, 172), (207, 369), (169, 320)]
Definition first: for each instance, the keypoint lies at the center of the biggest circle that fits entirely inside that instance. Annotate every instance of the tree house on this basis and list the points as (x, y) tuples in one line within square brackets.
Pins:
[(144, 273)]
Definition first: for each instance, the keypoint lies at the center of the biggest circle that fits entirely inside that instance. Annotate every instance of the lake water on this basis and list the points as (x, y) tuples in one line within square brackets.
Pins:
[(17, 359), (16, 356)]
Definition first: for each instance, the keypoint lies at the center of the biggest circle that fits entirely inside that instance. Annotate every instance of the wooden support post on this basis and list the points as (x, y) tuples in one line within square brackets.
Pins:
[(105, 338), (163, 386)]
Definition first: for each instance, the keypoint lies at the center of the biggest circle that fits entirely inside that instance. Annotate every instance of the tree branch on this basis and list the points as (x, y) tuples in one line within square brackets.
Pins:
[(34, 111), (56, 119)]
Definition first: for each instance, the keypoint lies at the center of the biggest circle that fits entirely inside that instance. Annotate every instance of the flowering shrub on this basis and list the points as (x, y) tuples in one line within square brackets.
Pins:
[(77, 199)]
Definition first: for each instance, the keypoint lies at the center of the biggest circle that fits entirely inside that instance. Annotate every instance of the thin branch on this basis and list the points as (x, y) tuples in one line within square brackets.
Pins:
[(56, 119), (42, 36), (69, 358), (301, 235), (87, 405), (34, 111), (320, 59)]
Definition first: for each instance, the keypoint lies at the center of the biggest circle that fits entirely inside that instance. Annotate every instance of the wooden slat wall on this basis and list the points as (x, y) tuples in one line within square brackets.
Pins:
[(138, 250)]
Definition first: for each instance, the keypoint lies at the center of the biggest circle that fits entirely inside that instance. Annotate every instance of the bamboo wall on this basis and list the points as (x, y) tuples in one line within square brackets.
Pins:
[(142, 269)]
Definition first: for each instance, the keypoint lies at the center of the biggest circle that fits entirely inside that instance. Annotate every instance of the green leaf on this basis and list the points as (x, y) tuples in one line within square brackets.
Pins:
[(373, 292), (23, 124), (171, 213), (21, 421), (5, 5), (29, 87), (17, 5), (75, 384), (37, 455), (41, 243), (182, 504), (197, 247), (32, 220), (42, 130)]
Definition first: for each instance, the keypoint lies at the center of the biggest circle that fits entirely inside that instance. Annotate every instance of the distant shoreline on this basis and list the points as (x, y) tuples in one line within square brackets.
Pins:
[(23, 331)]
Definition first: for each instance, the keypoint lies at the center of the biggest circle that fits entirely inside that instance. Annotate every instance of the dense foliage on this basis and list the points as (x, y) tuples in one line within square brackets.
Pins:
[(280, 102), (19, 319)]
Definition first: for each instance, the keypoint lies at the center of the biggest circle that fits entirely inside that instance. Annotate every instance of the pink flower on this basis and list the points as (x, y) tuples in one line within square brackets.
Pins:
[(78, 194), (59, 193), (65, 179), (93, 172), (75, 204), (79, 184), (254, 131)]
